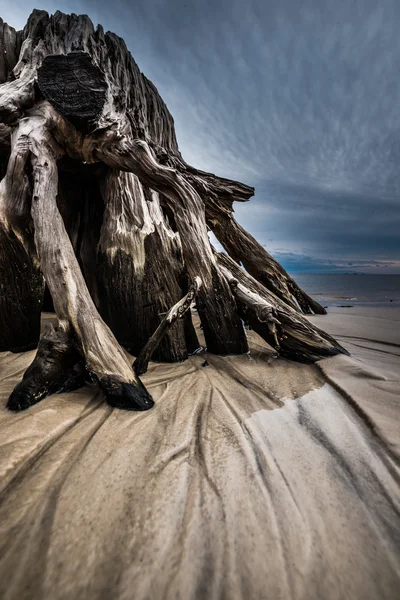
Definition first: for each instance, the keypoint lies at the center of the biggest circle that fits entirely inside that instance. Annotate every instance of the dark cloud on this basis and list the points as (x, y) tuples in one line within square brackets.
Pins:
[(299, 98)]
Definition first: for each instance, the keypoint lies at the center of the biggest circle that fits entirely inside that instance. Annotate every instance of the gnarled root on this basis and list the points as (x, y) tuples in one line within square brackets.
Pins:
[(105, 360), (176, 312), (291, 334), (223, 329), (257, 312), (112, 114), (57, 367), (243, 248), (138, 265), (127, 396)]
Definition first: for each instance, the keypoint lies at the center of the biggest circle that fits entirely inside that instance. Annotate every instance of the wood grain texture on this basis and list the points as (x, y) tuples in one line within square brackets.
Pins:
[(74, 85), (10, 47), (140, 264), (223, 329), (21, 280), (57, 367), (244, 249), (21, 292), (105, 361)]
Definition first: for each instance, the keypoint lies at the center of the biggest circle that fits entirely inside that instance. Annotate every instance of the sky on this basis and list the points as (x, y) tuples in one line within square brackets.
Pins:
[(300, 99)]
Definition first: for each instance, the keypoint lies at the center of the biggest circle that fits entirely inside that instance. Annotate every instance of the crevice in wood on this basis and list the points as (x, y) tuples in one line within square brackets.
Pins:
[(223, 329), (139, 266)]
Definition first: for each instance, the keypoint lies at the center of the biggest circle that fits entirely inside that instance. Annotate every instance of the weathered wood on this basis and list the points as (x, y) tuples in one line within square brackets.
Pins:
[(74, 86), (223, 330), (284, 328), (81, 206), (5, 148), (174, 314), (192, 342), (57, 367), (139, 266), (21, 281), (105, 361), (257, 310), (21, 290), (10, 47)]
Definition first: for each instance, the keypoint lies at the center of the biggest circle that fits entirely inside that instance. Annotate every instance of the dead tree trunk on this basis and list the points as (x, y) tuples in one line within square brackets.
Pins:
[(96, 197), (106, 363), (21, 293), (21, 281), (223, 329), (140, 267)]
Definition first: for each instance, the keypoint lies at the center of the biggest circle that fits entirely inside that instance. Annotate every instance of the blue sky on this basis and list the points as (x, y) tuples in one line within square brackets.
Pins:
[(298, 98)]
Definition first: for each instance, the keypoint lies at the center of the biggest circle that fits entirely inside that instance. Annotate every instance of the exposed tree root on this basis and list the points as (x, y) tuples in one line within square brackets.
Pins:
[(57, 367), (139, 266), (285, 329), (105, 361), (222, 327), (21, 281), (175, 313)]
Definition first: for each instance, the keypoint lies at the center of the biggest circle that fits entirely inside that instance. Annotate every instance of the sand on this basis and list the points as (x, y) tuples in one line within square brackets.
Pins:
[(251, 478)]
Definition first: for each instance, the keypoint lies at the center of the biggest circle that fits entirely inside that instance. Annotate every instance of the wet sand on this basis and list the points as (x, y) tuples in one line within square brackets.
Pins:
[(252, 477)]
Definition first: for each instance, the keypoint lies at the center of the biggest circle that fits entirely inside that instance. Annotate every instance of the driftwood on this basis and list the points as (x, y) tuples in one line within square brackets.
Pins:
[(97, 201), (284, 328), (174, 314)]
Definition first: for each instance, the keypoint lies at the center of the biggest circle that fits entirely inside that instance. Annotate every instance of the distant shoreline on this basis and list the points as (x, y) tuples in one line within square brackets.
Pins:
[(338, 289)]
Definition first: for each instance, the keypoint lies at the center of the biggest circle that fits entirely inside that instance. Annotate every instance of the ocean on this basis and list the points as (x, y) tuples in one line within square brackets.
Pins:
[(336, 289)]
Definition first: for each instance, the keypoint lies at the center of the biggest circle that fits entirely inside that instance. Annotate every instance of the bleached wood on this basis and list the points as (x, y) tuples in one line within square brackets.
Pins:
[(222, 327), (175, 313), (105, 361), (140, 266), (284, 328), (244, 249)]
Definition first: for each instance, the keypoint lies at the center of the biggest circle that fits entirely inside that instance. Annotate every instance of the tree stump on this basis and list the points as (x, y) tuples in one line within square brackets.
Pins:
[(97, 201)]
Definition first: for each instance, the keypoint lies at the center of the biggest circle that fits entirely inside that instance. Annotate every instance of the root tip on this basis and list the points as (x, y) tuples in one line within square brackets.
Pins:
[(128, 396), (21, 399)]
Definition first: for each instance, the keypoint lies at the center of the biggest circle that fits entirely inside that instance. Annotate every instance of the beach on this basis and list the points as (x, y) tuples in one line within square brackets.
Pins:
[(252, 477)]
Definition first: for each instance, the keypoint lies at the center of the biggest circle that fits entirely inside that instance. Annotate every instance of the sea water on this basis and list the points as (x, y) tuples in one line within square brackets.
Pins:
[(337, 289)]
